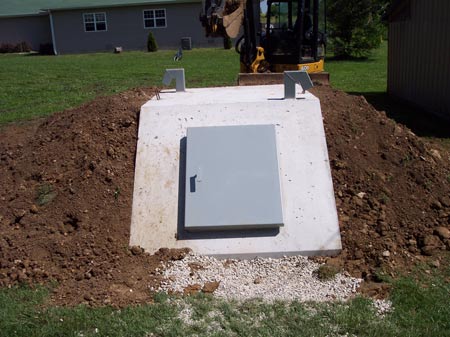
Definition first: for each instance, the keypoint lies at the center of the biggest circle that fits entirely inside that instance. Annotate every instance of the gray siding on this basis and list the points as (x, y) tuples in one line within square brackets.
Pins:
[(32, 29), (419, 56), (126, 29)]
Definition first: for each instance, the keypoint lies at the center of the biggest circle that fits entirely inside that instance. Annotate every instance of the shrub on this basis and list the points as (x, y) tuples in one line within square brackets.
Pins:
[(356, 26), (151, 43), (227, 43), (46, 49), (7, 48), (23, 47)]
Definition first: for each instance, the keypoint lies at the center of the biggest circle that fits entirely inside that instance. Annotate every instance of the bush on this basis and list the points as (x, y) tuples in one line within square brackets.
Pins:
[(356, 26), (227, 43), (46, 49), (21, 47), (151, 43), (7, 48)]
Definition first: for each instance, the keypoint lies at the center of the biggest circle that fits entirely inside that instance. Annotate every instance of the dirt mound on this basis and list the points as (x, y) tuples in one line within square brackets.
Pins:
[(392, 188), (65, 204), (67, 187)]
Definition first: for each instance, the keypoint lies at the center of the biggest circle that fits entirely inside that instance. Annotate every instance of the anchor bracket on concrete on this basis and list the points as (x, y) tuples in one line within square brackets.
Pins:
[(293, 77), (178, 76)]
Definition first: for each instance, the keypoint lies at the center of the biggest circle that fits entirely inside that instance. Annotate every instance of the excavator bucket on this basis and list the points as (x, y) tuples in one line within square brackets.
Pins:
[(233, 22), (222, 18), (320, 78)]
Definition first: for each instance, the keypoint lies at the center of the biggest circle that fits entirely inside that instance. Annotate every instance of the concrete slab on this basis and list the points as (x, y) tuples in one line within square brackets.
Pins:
[(310, 217)]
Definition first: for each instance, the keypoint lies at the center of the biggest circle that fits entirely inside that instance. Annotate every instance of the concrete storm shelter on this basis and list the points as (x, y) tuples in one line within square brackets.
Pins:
[(234, 172)]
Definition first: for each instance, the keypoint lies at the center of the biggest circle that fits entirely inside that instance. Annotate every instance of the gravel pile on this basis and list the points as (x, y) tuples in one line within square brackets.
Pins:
[(288, 278)]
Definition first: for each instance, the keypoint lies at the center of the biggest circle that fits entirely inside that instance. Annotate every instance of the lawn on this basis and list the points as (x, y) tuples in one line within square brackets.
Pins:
[(360, 75), (33, 86), (421, 308)]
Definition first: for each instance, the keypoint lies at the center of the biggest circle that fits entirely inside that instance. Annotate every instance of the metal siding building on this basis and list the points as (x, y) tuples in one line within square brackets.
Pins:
[(125, 28), (31, 21), (33, 29), (419, 54)]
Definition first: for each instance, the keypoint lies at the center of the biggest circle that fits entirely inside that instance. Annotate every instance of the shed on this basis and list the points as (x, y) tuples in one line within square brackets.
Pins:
[(419, 54)]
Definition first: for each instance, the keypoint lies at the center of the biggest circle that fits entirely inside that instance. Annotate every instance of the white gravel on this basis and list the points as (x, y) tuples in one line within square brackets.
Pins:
[(383, 307), (289, 278)]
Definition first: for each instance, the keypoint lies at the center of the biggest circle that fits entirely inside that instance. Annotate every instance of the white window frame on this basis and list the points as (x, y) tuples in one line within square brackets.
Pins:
[(95, 23), (154, 18)]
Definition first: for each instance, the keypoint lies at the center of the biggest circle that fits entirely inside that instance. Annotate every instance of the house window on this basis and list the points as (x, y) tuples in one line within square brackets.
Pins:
[(155, 18), (94, 22)]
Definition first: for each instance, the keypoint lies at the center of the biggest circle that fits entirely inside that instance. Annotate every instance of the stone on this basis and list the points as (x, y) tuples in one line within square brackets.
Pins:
[(339, 165), (358, 201), (445, 201), (412, 242), (359, 254), (442, 232), (136, 250), (431, 240), (34, 209), (88, 298), (386, 253), (436, 264), (428, 250), (436, 205), (435, 154)]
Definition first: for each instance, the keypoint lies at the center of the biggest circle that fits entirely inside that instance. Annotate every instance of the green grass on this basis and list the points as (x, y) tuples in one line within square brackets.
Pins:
[(32, 86), (421, 308), (360, 75)]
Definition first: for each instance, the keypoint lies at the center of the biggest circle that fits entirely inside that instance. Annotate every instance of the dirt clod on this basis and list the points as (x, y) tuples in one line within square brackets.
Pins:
[(192, 289), (210, 287)]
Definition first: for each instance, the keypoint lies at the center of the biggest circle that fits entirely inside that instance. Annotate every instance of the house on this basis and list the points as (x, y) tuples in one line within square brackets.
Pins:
[(419, 54), (81, 26)]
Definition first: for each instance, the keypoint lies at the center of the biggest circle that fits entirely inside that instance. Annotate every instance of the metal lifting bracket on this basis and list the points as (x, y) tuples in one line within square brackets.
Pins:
[(293, 77), (178, 76)]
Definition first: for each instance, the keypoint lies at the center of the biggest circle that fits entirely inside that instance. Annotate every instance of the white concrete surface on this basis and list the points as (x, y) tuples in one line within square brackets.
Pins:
[(309, 210)]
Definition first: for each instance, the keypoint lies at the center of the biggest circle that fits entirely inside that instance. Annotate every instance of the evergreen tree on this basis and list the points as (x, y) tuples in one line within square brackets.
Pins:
[(355, 26), (151, 43)]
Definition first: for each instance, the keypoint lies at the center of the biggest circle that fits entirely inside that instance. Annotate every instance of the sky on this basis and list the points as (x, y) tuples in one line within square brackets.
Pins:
[(263, 5)]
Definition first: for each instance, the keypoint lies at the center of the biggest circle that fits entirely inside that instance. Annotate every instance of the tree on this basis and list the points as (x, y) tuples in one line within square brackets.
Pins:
[(151, 43), (355, 26)]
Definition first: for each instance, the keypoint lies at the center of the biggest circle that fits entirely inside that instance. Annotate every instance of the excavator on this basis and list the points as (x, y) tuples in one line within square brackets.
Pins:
[(285, 37)]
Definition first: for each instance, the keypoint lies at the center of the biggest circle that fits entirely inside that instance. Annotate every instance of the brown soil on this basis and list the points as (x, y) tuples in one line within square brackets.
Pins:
[(67, 184), (66, 204)]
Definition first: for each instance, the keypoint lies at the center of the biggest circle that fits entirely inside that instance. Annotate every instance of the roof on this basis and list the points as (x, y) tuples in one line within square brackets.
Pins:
[(11, 8)]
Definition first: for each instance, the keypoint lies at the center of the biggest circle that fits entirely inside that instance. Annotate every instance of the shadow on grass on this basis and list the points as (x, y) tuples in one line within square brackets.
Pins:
[(349, 58), (421, 122)]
